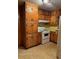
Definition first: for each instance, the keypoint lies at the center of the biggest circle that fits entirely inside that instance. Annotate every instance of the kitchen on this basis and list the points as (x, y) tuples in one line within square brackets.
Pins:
[(38, 24)]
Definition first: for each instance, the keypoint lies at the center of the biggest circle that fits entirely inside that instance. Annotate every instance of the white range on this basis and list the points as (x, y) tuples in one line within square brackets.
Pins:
[(45, 37)]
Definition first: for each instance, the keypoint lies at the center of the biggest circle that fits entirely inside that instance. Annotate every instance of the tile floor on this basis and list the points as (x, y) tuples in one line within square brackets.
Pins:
[(46, 51)]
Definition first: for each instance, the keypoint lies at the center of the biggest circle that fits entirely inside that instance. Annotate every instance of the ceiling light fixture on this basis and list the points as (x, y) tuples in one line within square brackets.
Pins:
[(45, 1)]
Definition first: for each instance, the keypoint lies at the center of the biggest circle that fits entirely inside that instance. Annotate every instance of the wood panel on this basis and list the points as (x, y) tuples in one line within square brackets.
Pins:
[(21, 24), (31, 25)]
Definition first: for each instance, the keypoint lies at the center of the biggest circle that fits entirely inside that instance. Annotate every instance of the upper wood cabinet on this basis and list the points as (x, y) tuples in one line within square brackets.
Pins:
[(44, 15), (31, 17), (56, 12), (54, 21), (31, 11), (55, 18)]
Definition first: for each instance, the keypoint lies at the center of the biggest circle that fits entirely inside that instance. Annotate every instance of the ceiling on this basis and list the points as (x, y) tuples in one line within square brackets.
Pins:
[(47, 6)]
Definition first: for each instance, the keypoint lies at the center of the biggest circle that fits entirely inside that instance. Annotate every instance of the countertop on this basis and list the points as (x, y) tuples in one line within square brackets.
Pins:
[(51, 29)]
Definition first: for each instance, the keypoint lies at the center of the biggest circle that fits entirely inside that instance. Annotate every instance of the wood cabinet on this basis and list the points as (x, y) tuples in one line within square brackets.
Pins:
[(54, 37), (54, 21), (56, 12), (39, 37), (31, 25), (32, 40), (44, 15)]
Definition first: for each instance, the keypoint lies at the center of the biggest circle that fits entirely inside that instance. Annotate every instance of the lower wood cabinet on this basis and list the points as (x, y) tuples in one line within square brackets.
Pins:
[(32, 39), (54, 36), (39, 37), (28, 41)]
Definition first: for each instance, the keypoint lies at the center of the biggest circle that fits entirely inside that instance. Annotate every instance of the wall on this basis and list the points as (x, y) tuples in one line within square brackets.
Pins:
[(21, 24)]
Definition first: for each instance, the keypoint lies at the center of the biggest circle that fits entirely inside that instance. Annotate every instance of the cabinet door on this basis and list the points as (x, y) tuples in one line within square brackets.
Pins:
[(51, 36), (32, 39), (29, 41), (39, 37), (35, 27), (31, 17), (36, 38), (29, 28), (54, 37), (54, 21), (31, 10)]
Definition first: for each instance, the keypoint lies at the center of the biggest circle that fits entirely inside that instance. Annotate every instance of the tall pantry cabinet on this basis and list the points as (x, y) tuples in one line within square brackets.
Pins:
[(31, 25)]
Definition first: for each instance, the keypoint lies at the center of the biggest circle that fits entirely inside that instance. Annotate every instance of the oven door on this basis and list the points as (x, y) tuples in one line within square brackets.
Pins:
[(45, 35)]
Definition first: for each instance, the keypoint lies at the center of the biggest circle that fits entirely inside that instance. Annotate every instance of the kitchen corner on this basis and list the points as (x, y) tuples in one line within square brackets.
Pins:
[(38, 29), (48, 32)]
